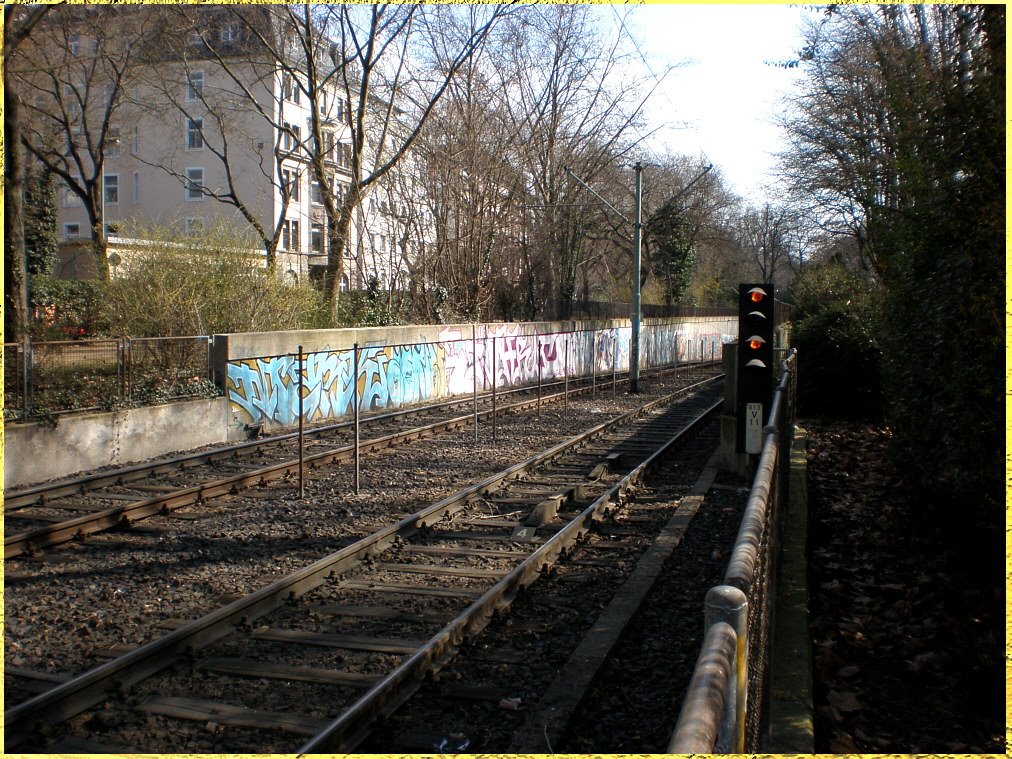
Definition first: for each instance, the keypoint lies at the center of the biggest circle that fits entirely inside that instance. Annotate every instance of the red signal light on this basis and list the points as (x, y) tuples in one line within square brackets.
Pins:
[(755, 342), (756, 295)]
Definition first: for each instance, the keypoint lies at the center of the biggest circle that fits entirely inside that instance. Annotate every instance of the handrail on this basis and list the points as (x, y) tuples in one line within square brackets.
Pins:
[(699, 724), (715, 722)]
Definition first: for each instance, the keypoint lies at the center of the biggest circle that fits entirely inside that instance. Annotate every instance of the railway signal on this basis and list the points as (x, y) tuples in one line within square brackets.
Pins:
[(755, 363)]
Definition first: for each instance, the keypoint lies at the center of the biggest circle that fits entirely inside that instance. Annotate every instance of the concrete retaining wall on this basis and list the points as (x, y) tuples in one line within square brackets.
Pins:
[(396, 366), (36, 452), (404, 365)]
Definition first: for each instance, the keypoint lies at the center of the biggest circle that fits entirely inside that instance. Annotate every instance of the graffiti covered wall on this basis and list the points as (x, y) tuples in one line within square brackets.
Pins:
[(457, 361)]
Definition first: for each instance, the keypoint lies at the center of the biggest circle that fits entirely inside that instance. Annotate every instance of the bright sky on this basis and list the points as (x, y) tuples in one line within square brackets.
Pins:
[(721, 103)]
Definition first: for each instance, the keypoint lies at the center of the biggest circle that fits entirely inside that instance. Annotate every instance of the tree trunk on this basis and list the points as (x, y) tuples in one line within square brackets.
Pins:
[(15, 270)]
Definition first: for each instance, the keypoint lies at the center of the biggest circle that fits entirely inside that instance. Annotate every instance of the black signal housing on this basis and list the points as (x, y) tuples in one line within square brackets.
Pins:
[(756, 327)]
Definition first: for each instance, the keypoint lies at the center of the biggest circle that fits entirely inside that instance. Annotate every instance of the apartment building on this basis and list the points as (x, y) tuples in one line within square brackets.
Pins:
[(209, 124)]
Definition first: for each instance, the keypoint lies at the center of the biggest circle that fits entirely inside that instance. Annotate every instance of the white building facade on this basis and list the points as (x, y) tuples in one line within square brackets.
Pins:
[(211, 129)]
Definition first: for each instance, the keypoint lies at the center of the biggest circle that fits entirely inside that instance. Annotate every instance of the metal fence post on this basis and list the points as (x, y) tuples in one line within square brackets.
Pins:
[(26, 376), (725, 603), (565, 369), (494, 380), (614, 364), (593, 363), (538, 343), (474, 377), (302, 439), (355, 401)]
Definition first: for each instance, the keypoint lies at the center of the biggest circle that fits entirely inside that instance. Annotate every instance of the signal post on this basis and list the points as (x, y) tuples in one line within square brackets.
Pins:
[(749, 394)]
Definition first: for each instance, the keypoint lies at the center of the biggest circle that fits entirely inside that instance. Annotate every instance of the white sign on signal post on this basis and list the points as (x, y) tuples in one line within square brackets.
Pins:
[(753, 427)]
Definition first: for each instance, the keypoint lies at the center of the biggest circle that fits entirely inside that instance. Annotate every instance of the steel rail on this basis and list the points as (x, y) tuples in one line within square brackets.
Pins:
[(90, 688), (39, 494), (347, 731), (123, 515)]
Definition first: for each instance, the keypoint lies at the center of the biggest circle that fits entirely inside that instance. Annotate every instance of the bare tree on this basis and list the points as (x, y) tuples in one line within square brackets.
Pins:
[(72, 76), (768, 233), (578, 113), (18, 25)]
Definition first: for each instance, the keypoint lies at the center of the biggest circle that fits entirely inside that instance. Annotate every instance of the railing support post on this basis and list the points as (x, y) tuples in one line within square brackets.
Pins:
[(355, 401), (725, 603), (494, 380), (474, 378), (565, 396), (539, 375), (302, 438)]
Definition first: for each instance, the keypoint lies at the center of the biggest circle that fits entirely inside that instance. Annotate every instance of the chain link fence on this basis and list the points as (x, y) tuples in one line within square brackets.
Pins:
[(46, 378)]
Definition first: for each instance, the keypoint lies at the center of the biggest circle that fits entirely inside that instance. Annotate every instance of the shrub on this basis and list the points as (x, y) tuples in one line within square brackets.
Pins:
[(63, 308), (833, 327), (367, 308), (176, 284)]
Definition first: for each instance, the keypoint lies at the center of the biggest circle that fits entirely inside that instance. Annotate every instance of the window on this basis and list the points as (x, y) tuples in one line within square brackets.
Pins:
[(343, 154), (194, 134), (329, 141), (196, 38), (316, 238), (292, 137), (194, 225), (195, 85), (290, 235), (74, 43), (290, 89), (70, 198), (291, 180), (315, 193), (71, 100), (136, 197), (111, 185), (71, 231), (229, 34), (113, 144), (339, 190), (194, 184)]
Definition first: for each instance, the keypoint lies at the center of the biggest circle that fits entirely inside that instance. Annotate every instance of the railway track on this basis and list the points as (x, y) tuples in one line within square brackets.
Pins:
[(47, 515), (350, 637)]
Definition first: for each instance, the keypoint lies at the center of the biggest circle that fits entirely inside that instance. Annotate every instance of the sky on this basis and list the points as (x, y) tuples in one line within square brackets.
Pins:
[(722, 98)]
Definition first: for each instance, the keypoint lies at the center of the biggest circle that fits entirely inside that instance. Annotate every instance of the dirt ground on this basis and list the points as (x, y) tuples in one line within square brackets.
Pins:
[(907, 611)]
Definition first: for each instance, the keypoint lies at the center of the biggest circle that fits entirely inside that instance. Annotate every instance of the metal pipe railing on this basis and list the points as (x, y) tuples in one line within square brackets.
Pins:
[(710, 693), (730, 722)]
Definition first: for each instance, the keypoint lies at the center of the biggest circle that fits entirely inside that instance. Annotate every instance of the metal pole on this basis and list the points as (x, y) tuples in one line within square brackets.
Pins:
[(26, 375), (474, 378), (494, 379), (302, 439), (354, 396), (565, 396), (593, 364), (701, 355), (539, 375), (634, 346), (614, 364)]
